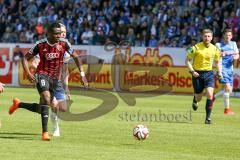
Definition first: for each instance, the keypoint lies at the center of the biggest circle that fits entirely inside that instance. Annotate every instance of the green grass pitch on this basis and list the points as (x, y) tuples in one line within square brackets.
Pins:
[(109, 137)]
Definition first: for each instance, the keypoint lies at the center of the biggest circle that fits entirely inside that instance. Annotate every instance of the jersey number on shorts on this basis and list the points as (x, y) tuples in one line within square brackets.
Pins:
[(43, 82)]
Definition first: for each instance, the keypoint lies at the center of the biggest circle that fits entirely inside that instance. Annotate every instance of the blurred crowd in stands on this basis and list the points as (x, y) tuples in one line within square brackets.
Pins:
[(152, 23)]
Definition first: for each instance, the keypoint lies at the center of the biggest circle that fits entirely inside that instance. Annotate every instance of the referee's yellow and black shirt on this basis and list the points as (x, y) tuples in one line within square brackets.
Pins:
[(203, 56)]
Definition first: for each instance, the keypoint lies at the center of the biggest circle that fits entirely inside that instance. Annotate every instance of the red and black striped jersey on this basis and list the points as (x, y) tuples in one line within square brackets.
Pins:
[(51, 56)]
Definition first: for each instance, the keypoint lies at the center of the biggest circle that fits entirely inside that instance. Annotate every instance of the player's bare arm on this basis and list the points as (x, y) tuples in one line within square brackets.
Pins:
[(35, 62), (25, 59), (66, 83), (190, 67), (79, 63), (222, 54), (219, 68), (235, 59), (64, 77), (236, 56)]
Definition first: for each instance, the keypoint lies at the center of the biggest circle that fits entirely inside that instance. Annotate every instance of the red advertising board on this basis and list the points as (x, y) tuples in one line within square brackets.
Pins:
[(5, 66)]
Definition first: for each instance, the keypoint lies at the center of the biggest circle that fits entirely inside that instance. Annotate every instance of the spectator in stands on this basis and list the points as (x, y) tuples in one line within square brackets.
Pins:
[(29, 34), (174, 43), (184, 39), (122, 28), (31, 9), (17, 55), (118, 6), (105, 26), (87, 36), (130, 36), (119, 15), (22, 38), (3, 26), (144, 39), (113, 37), (39, 28), (9, 36), (216, 8), (99, 38), (106, 8), (208, 17), (154, 26), (153, 42)]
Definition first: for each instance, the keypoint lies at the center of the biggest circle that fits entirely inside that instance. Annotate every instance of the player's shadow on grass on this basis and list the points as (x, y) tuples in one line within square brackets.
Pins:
[(18, 135)]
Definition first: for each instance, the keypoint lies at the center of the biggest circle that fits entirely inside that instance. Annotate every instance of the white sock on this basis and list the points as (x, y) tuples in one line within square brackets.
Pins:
[(54, 119), (219, 93), (226, 99)]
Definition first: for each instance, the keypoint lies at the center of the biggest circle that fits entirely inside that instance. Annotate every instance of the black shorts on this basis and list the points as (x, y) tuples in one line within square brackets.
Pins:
[(205, 79), (46, 83)]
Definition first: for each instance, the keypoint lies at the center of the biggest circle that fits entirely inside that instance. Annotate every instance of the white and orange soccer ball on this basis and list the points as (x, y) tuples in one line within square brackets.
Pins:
[(140, 132)]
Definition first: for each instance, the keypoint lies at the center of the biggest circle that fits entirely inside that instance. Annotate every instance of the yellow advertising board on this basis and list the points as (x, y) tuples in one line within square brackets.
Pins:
[(141, 69), (98, 76), (156, 78), (23, 80), (131, 78)]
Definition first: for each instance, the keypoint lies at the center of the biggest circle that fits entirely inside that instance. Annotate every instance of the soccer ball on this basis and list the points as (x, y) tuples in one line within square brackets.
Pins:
[(140, 132)]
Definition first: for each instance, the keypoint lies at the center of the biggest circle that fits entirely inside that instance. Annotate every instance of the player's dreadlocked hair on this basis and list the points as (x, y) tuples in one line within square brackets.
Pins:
[(61, 24), (52, 26)]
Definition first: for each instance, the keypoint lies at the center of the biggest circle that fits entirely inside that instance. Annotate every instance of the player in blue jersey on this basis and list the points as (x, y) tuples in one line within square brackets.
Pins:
[(229, 53)]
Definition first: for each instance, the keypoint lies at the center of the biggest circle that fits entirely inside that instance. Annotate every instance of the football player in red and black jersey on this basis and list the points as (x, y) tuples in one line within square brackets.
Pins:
[(51, 52)]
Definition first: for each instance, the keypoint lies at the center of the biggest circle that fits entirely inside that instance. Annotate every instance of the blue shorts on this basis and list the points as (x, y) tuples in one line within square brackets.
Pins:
[(227, 77), (58, 92), (205, 79)]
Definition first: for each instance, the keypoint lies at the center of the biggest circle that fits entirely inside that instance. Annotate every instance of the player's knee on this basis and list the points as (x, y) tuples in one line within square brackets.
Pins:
[(54, 102), (62, 106), (209, 95), (198, 97), (63, 109), (46, 99), (228, 90)]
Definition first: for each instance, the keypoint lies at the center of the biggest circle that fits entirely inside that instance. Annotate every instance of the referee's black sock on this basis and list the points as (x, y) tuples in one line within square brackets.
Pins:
[(44, 116), (33, 107), (209, 104)]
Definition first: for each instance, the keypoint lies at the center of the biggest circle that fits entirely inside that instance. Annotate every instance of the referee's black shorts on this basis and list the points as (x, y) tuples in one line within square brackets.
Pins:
[(205, 79)]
